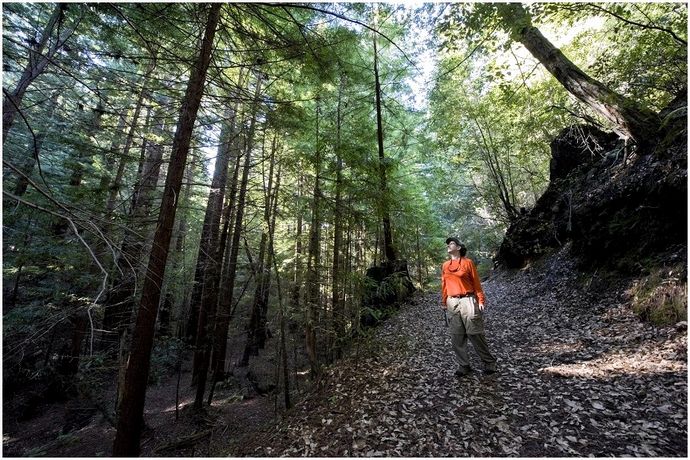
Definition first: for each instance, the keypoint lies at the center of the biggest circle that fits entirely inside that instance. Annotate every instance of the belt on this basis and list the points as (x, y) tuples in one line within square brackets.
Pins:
[(460, 296)]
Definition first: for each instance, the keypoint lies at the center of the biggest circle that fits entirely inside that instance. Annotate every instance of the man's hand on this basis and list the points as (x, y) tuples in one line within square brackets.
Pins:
[(481, 307), (444, 306)]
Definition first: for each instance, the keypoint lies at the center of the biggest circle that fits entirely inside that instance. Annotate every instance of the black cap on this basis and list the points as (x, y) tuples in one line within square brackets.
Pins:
[(453, 239)]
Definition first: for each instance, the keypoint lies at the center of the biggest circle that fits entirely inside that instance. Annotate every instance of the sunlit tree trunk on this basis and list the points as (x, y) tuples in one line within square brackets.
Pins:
[(129, 423), (206, 247), (220, 330), (213, 259), (628, 118)]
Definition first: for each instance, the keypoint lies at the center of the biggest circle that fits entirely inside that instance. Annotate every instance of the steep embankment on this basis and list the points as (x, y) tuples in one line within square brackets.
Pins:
[(579, 375), (623, 207)]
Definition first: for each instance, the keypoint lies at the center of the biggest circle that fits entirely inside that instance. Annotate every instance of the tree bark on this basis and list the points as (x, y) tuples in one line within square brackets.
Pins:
[(229, 219), (264, 333), (337, 301), (205, 247), (220, 330), (180, 308), (313, 259), (629, 120), (296, 291), (212, 269), (283, 345), (129, 423), (256, 329), (121, 298), (389, 249)]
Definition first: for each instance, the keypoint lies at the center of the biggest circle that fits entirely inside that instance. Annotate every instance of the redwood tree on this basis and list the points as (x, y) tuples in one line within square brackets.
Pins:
[(129, 423)]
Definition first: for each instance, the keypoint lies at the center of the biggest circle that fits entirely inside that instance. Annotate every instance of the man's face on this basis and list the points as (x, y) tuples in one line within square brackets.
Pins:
[(452, 247)]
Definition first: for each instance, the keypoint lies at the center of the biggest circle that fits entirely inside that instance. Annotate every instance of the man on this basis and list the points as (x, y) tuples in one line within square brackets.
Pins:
[(463, 299)]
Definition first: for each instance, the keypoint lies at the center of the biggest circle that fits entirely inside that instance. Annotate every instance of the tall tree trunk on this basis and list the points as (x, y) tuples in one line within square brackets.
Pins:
[(389, 249), (296, 291), (283, 345), (313, 258), (264, 333), (220, 330), (420, 280), (116, 185), (39, 57), (628, 118), (180, 308), (129, 423), (34, 152), (263, 270), (223, 302), (121, 299), (337, 301), (226, 236), (205, 248), (212, 270)]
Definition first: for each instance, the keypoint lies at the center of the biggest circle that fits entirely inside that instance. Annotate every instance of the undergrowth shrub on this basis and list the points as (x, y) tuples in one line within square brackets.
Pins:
[(662, 296)]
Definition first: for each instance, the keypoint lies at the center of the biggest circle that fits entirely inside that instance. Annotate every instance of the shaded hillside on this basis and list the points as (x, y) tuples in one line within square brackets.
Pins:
[(612, 201)]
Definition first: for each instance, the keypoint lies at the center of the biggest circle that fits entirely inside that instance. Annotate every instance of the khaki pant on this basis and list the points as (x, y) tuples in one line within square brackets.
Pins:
[(465, 321)]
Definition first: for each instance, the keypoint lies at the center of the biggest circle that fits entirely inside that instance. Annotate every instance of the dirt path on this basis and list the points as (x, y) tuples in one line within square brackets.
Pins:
[(578, 376)]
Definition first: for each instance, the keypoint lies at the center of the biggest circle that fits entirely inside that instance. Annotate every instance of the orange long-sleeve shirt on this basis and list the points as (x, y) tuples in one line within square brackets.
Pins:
[(459, 277)]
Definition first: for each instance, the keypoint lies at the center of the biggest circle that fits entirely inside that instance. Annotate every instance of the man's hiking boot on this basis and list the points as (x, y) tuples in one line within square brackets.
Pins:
[(489, 371)]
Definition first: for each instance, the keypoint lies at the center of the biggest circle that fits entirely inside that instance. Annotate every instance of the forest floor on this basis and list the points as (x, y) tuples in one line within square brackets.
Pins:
[(578, 375)]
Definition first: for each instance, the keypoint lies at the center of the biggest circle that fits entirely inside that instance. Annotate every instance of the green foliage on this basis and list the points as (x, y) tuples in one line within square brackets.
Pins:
[(640, 50), (463, 164), (166, 356)]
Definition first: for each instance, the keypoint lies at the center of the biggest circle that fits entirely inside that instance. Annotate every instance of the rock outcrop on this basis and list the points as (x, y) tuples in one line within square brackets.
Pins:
[(615, 203)]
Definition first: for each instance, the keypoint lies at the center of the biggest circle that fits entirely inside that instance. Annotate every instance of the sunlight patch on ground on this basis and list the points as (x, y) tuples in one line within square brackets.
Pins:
[(560, 347), (229, 400), (183, 403), (8, 439), (616, 365)]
